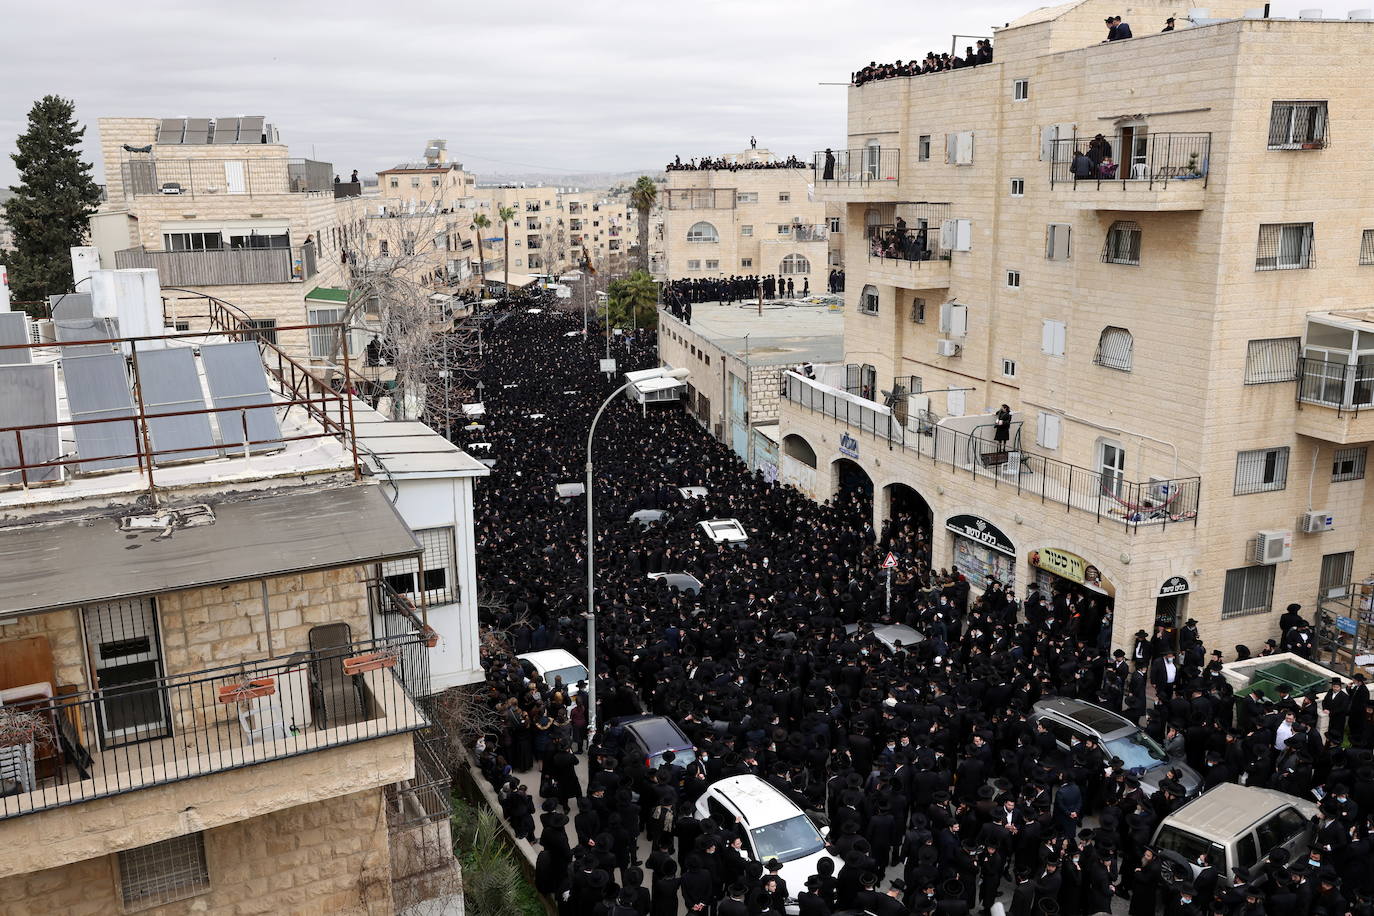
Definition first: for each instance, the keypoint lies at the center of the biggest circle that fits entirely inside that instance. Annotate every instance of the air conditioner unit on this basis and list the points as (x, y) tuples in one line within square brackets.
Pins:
[(1315, 522), (1273, 547), (947, 347)]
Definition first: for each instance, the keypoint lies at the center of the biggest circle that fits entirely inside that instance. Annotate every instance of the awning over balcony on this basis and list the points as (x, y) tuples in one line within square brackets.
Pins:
[(327, 294), (69, 563)]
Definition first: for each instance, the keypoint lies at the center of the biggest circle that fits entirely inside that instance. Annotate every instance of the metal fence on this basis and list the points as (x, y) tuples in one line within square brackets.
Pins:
[(700, 198), (906, 243), (1153, 160), (428, 796), (224, 177), (858, 166), (97, 743), (224, 267), (1339, 385), (1108, 497)]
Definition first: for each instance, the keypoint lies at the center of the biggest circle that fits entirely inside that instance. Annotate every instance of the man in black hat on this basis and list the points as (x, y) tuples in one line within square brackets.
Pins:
[(1336, 705), (1168, 25), (733, 904), (810, 902), (1290, 619)]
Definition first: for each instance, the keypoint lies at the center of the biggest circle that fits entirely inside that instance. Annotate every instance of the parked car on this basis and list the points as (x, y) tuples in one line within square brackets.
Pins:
[(554, 663), (653, 735), (889, 634), (1118, 737), (1237, 826), (725, 531), (775, 828), (648, 517), (681, 581)]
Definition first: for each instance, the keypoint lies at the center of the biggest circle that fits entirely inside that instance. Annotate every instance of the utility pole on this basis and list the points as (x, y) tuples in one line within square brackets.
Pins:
[(748, 403)]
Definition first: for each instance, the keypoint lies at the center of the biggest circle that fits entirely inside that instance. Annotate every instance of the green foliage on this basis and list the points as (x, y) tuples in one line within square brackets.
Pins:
[(643, 196), (493, 884), (52, 202), (633, 301), (480, 223)]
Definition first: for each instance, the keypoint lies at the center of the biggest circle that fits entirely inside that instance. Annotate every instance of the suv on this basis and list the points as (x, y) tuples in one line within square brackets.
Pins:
[(554, 663), (1237, 826), (654, 735), (1118, 737)]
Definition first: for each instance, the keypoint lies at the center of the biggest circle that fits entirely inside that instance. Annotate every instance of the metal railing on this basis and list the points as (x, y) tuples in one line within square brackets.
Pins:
[(1343, 386), (102, 742), (858, 166), (910, 244), (224, 267), (1154, 161), (699, 198), (426, 798), (1109, 497), (225, 177)]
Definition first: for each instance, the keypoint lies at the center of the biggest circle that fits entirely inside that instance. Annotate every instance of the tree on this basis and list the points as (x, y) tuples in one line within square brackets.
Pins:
[(632, 301), (52, 202), (505, 214), (481, 222), (643, 196)]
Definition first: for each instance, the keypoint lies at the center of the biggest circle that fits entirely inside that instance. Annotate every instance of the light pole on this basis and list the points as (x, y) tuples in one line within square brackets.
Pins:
[(591, 564)]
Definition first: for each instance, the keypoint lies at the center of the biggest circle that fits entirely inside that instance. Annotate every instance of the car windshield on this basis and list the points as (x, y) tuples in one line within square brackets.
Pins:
[(680, 758), (1137, 752), (786, 840), (1190, 846), (570, 676)]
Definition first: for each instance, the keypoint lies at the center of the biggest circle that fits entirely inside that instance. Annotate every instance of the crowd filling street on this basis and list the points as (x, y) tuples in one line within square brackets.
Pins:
[(942, 786)]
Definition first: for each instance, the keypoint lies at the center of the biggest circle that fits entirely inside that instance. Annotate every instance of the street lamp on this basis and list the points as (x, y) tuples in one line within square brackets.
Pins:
[(663, 372)]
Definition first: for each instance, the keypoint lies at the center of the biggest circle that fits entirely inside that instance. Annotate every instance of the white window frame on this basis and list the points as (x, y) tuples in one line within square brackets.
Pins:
[(746, 231), (834, 222), (869, 294), (694, 264), (1018, 187), (1284, 120), (746, 262), (784, 229), (1053, 337), (1008, 367), (784, 197), (923, 148), (712, 264), (321, 340), (1020, 89), (1262, 470), (1013, 279), (698, 236), (1277, 233), (800, 264), (747, 197), (440, 553)]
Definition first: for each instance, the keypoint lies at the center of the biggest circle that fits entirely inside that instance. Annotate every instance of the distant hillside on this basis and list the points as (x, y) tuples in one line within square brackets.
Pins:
[(586, 180)]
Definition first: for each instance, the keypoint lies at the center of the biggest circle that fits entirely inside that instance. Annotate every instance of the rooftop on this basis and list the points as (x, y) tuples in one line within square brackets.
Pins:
[(787, 332), (409, 449)]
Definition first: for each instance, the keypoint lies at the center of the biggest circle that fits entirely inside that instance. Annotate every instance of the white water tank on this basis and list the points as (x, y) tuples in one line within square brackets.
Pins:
[(1361, 15), (1310, 14)]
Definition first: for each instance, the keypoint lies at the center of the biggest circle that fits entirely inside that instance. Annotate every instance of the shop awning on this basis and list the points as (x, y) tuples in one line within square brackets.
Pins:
[(327, 294)]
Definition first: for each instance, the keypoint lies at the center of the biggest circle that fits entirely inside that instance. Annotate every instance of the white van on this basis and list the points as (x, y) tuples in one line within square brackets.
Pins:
[(552, 663)]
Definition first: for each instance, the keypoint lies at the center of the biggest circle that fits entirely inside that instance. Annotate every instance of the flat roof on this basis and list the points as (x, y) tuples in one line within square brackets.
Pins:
[(783, 334), (408, 448), (275, 533)]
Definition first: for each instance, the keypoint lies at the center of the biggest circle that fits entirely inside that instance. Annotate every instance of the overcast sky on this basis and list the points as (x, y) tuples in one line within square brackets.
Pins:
[(576, 85)]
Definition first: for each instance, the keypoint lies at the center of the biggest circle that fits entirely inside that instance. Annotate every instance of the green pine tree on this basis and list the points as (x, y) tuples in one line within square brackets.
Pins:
[(52, 202)]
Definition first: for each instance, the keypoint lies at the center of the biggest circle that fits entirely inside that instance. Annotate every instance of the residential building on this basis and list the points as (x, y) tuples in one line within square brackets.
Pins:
[(1185, 374), (553, 225), (724, 222), (217, 205), (214, 627), (427, 206)]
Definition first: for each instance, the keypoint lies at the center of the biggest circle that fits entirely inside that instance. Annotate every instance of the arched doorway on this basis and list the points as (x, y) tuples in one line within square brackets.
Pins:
[(852, 482), (905, 505), (794, 446)]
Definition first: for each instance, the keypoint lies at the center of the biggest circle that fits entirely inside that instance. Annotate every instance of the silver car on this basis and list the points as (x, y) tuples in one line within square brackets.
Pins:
[(1118, 737)]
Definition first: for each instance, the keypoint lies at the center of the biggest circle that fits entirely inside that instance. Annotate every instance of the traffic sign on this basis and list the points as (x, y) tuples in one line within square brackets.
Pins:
[(890, 562)]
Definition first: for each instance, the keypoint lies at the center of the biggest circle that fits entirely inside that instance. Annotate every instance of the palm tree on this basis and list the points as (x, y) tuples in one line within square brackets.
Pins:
[(506, 214), (481, 223), (644, 195), (632, 301)]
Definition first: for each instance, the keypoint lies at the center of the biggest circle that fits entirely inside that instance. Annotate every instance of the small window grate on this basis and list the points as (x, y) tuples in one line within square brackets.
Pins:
[(1367, 248), (163, 872), (1348, 463), (1123, 243), (1273, 359), (1249, 590), (1114, 349), (1261, 470), (1284, 246), (1298, 125)]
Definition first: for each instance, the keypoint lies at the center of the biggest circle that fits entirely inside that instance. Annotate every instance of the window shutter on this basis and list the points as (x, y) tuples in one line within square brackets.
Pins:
[(949, 234), (951, 147), (963, 238), (955, 404), (946, 320), (1060, 236), (1047, 336), (964, 149), (1048, 134), (1047, 430)]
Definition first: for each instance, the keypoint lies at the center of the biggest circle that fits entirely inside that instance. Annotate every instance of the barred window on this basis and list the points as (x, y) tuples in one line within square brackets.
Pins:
[(1367, 248), (439, 578), (1297, 125), (868, 300), (1114, 349), (918, 310), (1272, 359), (265, 330), (1338, 570), (1284, 246), (1249, 590), (1261, 470), (163, 872), (1348, 463), (1123, 243)]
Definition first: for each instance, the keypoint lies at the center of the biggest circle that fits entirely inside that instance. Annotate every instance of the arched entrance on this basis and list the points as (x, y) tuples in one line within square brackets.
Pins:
[(852, 483), (794, 446), (904, 504)]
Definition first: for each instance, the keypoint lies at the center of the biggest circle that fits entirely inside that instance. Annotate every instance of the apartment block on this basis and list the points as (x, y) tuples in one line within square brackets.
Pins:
[(552, 227), (1179, 327), (742, 219)]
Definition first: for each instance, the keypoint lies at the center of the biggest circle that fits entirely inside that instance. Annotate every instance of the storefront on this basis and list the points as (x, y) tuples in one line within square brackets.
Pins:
[(981, 551), (1058, 570), (1171, 604)]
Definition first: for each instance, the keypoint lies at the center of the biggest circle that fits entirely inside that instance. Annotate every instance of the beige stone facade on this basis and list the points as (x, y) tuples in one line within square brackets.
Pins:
[(552, 226), (1138, 327)]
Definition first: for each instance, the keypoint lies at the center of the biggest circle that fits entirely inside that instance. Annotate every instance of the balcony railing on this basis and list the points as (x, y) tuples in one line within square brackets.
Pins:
[(98, 743), (700, 198), (803, 232), (224, 267), (1154, 161), (907, 244), (1343, 386), (225, 177), (858, 166), (1109, 497)]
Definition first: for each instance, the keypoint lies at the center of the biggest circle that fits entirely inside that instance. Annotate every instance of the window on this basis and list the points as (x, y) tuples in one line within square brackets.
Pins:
[(163, 872), (795, 264), (834, 224), (1367, 248), (1018, 187), (1008, 368), (192, 241), (746, 262), (322, 339), (1057, 238), (784, 229), (923, 148), (414, 182), (1272, 359), (434, 182), (1338, 569), (1047, 430), (712, 264), (746, 231), (918, 310), (439, 579), (1020, 90), (1297, 125), (1348, 463), (1284, 246), (693, 264), (1114, 349), (267, 332), (1249, 590), (868, 300), (1052, 337), (1013, 279), (959, 148), (784, 196), (1261, 470), (747, 197), (183, 326), (703, 232), (1123, 243)]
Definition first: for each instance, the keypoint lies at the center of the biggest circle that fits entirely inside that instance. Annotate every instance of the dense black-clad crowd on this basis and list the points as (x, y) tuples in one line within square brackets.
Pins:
[(941, 796), (933, 63), (722, 164)]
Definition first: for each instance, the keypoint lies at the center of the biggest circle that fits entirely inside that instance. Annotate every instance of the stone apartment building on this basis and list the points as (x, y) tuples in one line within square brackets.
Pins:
[(423, 218), (735, 222), (552, 225), (212, 632), (218, 206), (1181, 334)]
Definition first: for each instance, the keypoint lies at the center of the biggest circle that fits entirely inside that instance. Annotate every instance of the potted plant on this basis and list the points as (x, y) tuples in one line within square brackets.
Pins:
[(248, 690)]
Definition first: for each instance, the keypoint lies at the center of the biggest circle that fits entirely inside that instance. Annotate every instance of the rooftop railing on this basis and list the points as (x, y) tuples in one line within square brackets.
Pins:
[(225, 177), (1154, 161), (226, 266), (866, 165)]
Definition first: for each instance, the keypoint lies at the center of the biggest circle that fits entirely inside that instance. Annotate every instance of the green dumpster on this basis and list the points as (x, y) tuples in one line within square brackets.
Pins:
[(1299, 680)]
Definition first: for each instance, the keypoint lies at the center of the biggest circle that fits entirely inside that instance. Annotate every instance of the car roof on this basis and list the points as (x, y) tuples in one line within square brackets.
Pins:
[(724, 529), (1230, 809), (551, 659), (759, 802), (1103, 721), (657, 732)]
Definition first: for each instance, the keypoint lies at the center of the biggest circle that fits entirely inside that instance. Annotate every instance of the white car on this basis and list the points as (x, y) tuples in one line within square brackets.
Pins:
[(775, 828), (725, 531), (552, 663)]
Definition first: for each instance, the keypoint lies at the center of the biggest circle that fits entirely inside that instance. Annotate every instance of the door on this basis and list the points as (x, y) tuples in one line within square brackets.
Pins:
[(868, 382), (873, 153), (1112, 466), (1169, 610), (739, 417), (126, 670), (1133, 152), (234, 180)]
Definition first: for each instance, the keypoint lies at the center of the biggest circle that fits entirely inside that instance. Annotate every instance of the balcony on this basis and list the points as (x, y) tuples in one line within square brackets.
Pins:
[(1166, 172), (869, 174), (1109, 498), (224, 267), (699, 198), (909, 258), (1342, 397), (225, 177)]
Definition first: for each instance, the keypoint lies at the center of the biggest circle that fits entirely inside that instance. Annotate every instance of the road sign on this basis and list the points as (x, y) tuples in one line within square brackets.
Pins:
[(890, 562)]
